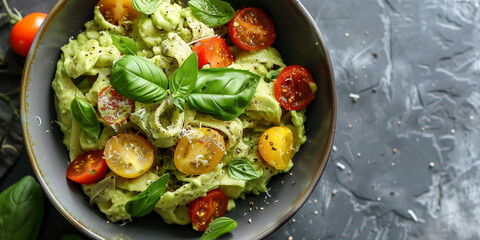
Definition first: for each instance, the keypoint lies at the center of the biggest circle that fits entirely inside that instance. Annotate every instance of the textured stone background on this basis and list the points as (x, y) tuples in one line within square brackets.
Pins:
[(408, 144), (415, 66)]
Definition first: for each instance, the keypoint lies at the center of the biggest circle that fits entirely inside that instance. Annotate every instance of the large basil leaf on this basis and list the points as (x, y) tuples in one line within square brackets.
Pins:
[(139, 79), (218, 227), (143, 203), (243, 170), (124, 44), (85, 116), (212, 12), (223, 93), (183, 80), (21, 210), (145, 6)]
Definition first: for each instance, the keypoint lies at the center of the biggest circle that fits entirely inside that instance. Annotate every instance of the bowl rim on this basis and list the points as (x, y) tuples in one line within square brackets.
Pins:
[(29, 148), (331, 131), (26, 135)]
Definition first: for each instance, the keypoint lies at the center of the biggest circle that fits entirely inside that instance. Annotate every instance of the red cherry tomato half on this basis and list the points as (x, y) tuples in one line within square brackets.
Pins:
[(117, 12), (213, 51), (252, 29), (294, 87), (23, 33), (204, 210), (113, 107), (88, 168)]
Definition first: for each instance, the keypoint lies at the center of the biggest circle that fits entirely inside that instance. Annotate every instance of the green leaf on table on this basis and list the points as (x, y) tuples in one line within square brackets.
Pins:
[(145, 202), (21, 210), (139, 79), (224, 93), (124, 44), (183, 80), (212, 12), (145, 6), (242, 169), (218, 227), (85, 115)]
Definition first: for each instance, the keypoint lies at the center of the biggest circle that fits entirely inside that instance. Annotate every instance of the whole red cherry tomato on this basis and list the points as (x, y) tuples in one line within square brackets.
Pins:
[(24, 31)]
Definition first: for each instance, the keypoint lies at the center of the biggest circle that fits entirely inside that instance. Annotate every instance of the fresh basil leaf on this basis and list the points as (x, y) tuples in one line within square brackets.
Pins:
[(85, 116), (212, 12), (139, 79), (272, 75), (241, 169), (124, 44), (145, 6), (218, 227), (143, 203), (21, 210), (179, 101), (224, 93), (183, 80)]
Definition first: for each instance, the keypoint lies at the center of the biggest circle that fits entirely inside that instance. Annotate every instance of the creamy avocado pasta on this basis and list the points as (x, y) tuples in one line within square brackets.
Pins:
[(177, 109)]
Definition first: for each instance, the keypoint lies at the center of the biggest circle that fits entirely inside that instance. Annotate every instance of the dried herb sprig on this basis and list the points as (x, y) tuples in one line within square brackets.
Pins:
[(7, 99), (13, 15)]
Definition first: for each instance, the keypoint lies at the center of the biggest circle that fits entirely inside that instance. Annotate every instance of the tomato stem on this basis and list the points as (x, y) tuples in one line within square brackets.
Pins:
[(14, 15)]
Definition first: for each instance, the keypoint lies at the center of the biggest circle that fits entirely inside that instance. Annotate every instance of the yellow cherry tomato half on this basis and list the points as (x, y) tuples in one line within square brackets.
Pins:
[(128, 155), (199, 151), (275, 147)]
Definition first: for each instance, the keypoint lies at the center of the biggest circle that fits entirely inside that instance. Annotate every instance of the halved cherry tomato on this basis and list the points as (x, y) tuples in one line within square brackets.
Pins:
[(88, 168), (113, 107), (199, 151), (129, 155), (213, 51), (275, 146), (294, 87), (204, 210), (252, 29), (24, 31), (117, 12)]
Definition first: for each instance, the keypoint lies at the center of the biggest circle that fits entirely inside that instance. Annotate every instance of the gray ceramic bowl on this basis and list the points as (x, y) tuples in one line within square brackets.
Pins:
[(298, 40)]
